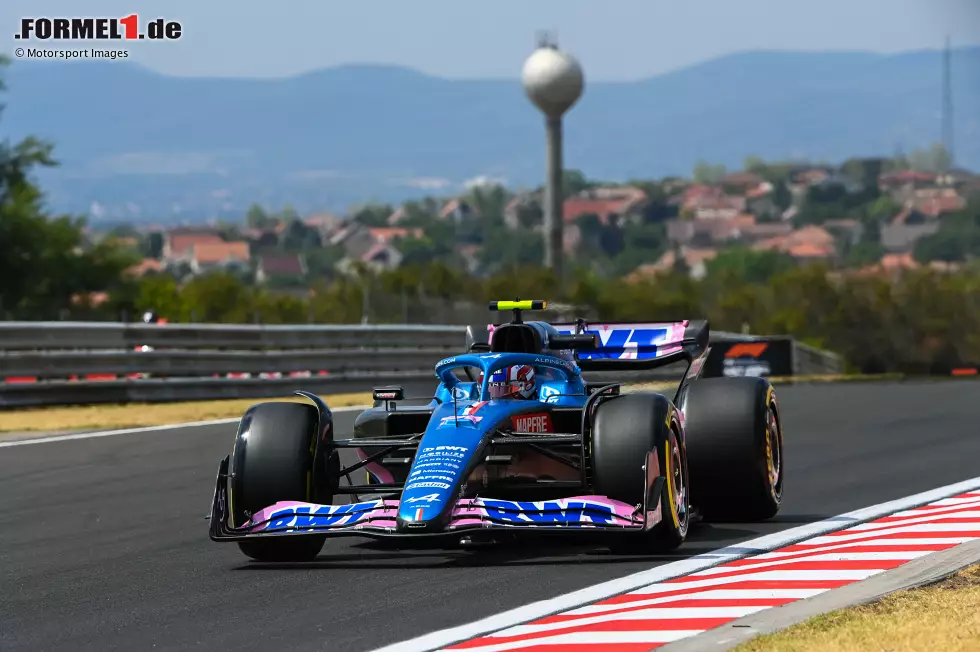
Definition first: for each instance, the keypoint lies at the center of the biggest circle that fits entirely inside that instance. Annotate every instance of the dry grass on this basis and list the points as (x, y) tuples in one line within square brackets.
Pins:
[(944, 617), (143, 414)]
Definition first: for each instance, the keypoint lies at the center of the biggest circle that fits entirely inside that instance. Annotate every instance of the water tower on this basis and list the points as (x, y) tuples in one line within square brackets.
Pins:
[(553, 80)]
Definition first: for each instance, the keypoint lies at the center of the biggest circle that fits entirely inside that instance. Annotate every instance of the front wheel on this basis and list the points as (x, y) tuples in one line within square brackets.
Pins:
[(273, 461), (626, 429)]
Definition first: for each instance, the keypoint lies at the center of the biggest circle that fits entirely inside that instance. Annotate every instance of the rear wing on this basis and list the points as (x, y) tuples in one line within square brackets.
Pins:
[(638, 346)]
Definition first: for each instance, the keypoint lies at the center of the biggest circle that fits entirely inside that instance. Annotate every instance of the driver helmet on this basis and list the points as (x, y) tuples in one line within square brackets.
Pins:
[(513, 382), (150, 317)]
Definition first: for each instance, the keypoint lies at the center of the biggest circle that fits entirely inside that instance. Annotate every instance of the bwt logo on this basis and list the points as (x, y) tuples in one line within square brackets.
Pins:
[(626, 343), (97, 29)]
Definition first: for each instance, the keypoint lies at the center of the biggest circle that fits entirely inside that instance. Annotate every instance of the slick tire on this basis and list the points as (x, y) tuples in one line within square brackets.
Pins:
[(735, 448), (273, 461), (626, 428)]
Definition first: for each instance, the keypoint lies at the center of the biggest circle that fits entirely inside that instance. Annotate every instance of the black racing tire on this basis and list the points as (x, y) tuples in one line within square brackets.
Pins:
[(626, 428), (734, 438), (273, 461)]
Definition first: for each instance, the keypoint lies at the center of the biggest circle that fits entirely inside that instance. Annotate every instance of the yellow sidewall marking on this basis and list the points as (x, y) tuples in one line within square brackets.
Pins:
[(668, 456)]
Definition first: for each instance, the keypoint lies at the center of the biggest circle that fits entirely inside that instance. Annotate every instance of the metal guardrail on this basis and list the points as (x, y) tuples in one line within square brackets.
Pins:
[(95, 335), (84, 362), (810, 361)]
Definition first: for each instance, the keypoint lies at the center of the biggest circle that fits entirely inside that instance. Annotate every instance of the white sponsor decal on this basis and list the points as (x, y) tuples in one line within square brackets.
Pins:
[(428, 499), (532, 423), (428, 485)]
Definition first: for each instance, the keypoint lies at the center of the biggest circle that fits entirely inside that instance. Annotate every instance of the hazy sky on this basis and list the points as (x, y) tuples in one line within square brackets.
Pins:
[(614, 39)]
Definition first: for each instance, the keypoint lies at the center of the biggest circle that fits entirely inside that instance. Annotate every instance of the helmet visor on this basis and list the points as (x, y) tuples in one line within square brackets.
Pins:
[(504, 389)]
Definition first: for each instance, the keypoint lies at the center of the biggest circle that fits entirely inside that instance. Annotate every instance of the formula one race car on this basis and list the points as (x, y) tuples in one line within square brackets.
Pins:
[(514, 441)]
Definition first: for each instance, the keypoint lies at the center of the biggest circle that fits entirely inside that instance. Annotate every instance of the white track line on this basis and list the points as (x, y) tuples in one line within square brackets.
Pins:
[(133, 431), (588, 595)]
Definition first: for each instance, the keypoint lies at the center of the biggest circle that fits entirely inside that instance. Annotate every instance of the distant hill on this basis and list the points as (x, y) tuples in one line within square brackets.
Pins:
[(324, 140)]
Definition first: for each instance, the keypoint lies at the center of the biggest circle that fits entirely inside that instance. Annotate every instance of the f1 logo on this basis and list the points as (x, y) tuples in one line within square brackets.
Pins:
[(747, 350)]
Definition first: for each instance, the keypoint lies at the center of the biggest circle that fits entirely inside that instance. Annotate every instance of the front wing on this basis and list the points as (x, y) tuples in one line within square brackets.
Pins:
[(377, 518)]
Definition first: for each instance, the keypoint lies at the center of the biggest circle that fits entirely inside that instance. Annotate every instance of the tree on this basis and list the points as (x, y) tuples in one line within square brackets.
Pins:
[(45, 261), (373, 215), (257, 218), (574, 182), (151, 246), (933, 159), (286, 214), (487, 200), (748, 266), (781, 196), (707, 173), (863, 253)]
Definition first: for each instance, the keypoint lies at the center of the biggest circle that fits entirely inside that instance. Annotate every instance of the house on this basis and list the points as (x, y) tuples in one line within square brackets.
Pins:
[(892, 182), (269, 266), (612, 205), (801, 180), (203, 257), (373, 246), (146, 266), (934, 202), (397, 216), (706, 233), (703, 202), (381, 256), (354, 238), (722, 208), (957, 178), (297, 234), (456, 209), (891, 265), (176, 243), (901, 237), (741, 182), (760, 201), (524, 208), (910, 215), (807, 243), (325, 224), (811, 176), (694, 193), (846, 229), (695, 259)]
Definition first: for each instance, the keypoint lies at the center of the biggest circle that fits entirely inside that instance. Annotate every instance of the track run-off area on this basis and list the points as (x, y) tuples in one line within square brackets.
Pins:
[(104, 545)]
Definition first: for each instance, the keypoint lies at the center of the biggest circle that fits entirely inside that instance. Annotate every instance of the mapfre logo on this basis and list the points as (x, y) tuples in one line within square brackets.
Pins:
[(532, 423), (130, 28), (747, 350)]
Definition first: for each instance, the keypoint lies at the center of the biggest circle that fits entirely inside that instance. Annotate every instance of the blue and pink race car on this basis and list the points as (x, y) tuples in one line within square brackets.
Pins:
[(514, 441)]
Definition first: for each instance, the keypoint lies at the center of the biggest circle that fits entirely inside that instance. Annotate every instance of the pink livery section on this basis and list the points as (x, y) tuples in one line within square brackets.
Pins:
[(380, 515)]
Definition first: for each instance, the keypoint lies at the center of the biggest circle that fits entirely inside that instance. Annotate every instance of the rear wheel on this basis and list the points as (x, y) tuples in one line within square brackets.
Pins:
[(735, 446), (273, 461), (625, 430)]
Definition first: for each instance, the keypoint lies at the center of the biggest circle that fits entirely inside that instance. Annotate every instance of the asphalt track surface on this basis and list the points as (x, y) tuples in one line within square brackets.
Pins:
[(103, 542)]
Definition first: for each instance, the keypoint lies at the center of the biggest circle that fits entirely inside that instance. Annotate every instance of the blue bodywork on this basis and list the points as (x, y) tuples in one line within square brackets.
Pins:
[(459, 428)]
